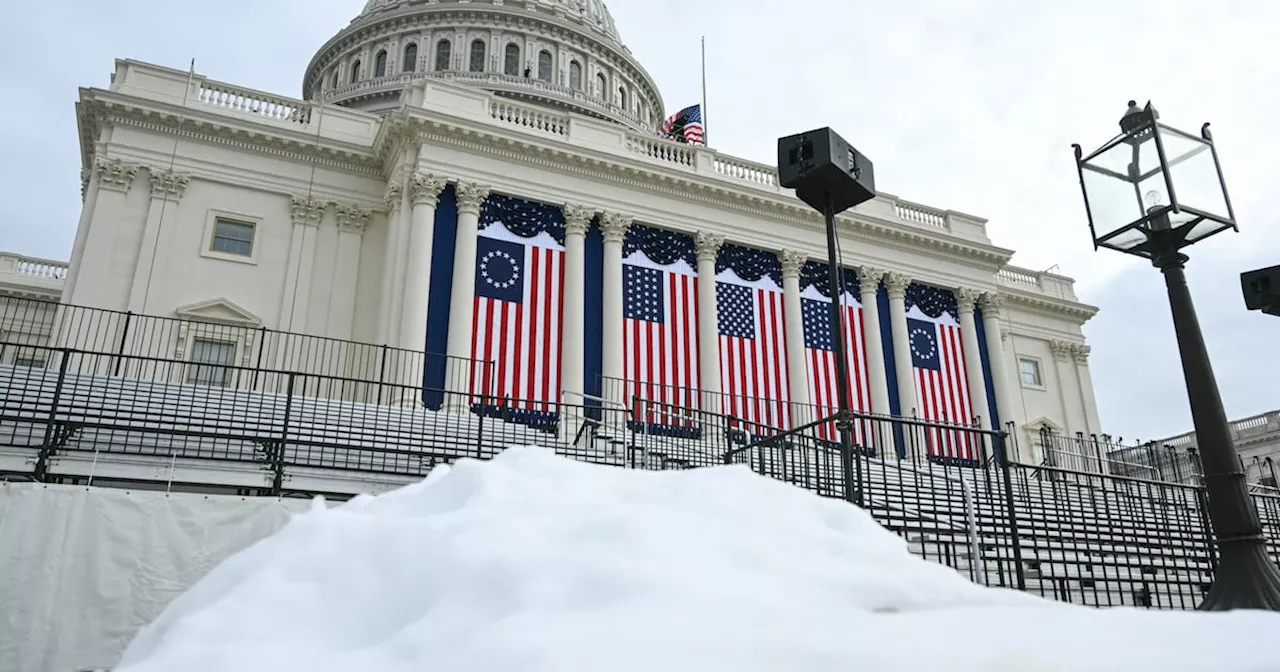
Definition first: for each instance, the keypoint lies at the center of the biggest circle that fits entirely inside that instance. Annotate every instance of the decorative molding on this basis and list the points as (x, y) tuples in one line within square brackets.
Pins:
[(792, 262), (471, 197), (614, 226), (966, 299), (707, 245), (391, 196), (1080, 352), (896, 284), (168, 186), (306, 212), (1061, 349), (1004, 336), (351, 218), (85, 176), (576, 219), (991, 304), (869, 279), (424, 189), (115, 174)]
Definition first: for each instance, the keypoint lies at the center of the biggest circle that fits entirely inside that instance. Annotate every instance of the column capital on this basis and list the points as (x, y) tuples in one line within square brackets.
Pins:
[(1061, 349), (351, 218), (391, 197), (896, 284), (305, 211), (707, 245), (966, 299), (614, 226), (471, 197), (115, 174), (792, 262), (168, 185), (869, 279), (1080, 352), (424, 189), (991, 304), (576, 219)]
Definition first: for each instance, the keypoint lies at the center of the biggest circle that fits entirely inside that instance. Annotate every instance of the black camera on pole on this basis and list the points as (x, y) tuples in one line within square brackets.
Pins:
[(820, 165), (1262, 290)]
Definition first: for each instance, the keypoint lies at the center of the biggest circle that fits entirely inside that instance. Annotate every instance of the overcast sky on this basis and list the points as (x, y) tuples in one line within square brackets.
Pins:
[(970, 105)]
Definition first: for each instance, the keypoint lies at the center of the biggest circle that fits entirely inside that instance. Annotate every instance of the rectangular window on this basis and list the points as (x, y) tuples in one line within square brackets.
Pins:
[(1029, 370), (211, 359), (232, 237), (32, 362)]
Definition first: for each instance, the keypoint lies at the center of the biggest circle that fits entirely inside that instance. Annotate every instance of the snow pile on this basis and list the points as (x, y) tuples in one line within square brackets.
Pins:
[(534, 563)]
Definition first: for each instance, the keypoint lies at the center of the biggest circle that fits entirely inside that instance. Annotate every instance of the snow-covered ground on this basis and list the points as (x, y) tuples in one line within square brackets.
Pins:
[(535, 563)]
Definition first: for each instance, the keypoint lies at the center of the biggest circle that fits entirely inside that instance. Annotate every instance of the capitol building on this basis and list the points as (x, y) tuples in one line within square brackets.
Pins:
[(472, 200)]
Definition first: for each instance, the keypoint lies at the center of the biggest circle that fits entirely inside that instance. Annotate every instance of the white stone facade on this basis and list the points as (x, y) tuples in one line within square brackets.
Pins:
[(337, 203)]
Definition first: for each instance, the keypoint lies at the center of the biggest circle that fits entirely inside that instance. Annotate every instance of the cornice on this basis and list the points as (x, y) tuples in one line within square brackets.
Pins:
[(1078, 313)]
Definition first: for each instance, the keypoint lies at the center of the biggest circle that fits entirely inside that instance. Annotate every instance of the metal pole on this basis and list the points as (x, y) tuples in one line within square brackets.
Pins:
[(1246, 578), (844, 420)]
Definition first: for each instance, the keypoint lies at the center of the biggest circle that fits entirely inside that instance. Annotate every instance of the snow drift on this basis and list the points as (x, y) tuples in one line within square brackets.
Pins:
[(534, 563)]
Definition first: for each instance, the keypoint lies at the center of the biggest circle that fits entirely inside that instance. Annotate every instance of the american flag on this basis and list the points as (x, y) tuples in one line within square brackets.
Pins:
[(660, 340), (684, 126), (937, 359), (518, 313), (753, 359), (820, 355)]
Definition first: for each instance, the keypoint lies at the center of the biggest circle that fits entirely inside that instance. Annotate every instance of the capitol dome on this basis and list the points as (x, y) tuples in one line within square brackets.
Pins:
[(564, 54)]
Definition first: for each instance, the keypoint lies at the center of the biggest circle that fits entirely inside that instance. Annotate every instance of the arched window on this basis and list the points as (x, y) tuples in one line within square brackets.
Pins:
[(444, 52), (355, 71), (544, 65), (410, 58), (622, 98), (575, 75), (511, 60), (477, 56), (336, 79), (380, 64), (602, 85)]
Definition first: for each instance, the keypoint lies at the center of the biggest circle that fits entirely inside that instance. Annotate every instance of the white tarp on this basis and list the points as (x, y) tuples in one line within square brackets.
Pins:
[(83, 568)]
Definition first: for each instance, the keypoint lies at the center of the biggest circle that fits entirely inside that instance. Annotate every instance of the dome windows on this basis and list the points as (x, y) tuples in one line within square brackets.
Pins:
[(355, 71), (544, 65), (602, 85), (575, 75), (511, 60), (444, 52), (477, 56), (410, 58), (380, 64)]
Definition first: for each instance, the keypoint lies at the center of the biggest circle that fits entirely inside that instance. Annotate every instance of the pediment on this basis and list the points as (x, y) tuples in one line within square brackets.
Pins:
[(1034, 426), (219, 311)]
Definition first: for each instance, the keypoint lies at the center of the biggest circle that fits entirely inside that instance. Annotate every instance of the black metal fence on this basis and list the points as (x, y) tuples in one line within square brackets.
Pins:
[(140, 416), (1105, 455)]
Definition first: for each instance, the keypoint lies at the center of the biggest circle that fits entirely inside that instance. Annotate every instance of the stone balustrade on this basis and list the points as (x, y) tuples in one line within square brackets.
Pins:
[(31, 276)]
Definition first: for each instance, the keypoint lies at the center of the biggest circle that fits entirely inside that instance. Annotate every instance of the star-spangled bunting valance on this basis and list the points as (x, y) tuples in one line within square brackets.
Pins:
[(931, 301), (523, 218), (815, 273), (749, 264), (660, 245)]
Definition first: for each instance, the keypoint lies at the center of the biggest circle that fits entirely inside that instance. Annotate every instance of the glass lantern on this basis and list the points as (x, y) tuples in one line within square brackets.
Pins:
[(1153, 180)]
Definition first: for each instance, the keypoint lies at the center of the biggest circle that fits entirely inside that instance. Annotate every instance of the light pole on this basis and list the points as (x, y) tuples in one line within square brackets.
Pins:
[(831, 177), (1151, 191)]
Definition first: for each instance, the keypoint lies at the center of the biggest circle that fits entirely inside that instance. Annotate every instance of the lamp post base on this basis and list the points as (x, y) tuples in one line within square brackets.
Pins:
[(1246, 578)]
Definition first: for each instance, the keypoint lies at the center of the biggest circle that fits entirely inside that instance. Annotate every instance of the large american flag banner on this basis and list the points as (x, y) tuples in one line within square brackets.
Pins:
[(820, 356), (937, 360), (685, 126), (753, 352), (660, 340), (518, 309)]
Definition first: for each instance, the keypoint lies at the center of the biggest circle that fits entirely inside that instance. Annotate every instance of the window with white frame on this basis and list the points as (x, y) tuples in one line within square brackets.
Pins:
[(1029, 372), (210, 361), (232, 237)]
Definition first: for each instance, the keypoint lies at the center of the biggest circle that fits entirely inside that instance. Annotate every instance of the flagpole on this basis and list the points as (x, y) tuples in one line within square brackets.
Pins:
[(704, 91)]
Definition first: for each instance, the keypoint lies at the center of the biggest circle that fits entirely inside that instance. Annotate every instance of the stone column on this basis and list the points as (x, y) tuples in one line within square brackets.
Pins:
[(896, 284), (1006, 407), (391, 245), (352, 222), (1080, 353), (798, 385), (965, 300), (424, 193), (708, 248), (306, 215), (462, 298), (576, 221), (868, 285), (614, 227), (102, 226), (166, 191)]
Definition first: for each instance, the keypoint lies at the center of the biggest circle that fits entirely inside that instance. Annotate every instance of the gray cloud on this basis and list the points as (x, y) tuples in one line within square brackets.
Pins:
[(964, 105)]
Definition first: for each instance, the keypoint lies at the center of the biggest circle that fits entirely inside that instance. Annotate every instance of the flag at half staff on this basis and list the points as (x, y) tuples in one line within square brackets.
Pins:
[(685, 126)]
